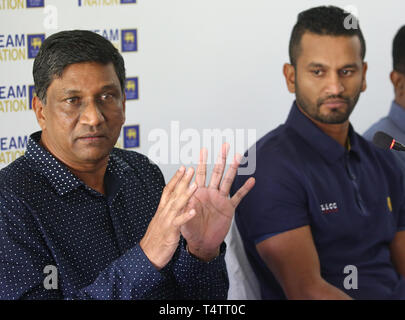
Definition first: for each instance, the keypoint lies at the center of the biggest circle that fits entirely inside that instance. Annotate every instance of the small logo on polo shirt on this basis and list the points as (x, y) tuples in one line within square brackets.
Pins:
[(389, 204), (328, 208)]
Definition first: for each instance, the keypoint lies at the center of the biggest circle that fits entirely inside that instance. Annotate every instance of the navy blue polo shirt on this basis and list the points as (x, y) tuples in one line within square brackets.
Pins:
[(352, 200)]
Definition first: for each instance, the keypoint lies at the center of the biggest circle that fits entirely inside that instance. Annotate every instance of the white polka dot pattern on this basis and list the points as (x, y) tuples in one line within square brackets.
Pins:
[(50, 217)]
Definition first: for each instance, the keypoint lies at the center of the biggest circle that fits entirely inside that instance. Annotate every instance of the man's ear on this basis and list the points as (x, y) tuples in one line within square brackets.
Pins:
[(398, 82), (364, 73), (289, 74), (38, 107)]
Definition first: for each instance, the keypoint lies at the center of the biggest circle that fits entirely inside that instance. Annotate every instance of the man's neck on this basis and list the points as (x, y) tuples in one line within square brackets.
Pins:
[(400, 102)]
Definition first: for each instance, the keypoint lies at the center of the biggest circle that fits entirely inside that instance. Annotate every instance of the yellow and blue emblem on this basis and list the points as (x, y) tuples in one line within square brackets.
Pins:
[(129, 40), (131, 88), (35, 3), (34, 42), (131, 136)]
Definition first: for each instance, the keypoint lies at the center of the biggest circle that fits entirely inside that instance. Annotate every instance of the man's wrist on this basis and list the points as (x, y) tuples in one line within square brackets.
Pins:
[(201, 254)]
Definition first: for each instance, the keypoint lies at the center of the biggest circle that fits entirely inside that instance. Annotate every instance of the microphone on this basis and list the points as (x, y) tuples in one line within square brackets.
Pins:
[(385, 141)]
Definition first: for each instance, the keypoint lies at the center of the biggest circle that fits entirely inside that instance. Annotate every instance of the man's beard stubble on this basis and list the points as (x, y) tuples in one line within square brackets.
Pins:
[(335, 117)]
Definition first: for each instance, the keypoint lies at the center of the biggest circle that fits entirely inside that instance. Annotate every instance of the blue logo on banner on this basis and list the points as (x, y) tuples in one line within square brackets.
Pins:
[(128, 1), (129, 40), (131, 88), (31, 94), (131, 136), (35, 3), (34, 42)]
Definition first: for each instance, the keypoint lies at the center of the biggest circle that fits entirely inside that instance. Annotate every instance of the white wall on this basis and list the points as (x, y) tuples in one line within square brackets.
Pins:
[(207, 64)]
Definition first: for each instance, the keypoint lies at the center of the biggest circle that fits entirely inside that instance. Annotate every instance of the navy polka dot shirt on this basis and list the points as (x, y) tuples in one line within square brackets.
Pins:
[(49, 217)]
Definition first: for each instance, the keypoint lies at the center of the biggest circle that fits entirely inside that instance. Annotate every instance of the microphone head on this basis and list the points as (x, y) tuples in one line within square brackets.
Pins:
[(383, 140)]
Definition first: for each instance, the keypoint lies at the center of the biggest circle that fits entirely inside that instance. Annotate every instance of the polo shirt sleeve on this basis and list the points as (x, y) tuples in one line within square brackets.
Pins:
[(276, 204)]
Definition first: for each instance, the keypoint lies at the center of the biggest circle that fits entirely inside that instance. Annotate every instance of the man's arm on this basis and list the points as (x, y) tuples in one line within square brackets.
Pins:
[(398, 253), (293, 259), (25, 253)]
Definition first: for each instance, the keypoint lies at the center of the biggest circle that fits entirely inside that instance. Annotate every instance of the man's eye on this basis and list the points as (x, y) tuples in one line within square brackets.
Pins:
[(317, 72), (106, 96), (347, 72), (72, 100)]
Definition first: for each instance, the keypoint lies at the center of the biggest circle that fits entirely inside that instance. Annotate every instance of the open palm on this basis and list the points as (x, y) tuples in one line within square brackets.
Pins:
[(215, 209)]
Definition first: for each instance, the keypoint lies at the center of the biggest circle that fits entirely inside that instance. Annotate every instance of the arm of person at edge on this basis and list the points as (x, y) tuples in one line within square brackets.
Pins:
[(293, 259)]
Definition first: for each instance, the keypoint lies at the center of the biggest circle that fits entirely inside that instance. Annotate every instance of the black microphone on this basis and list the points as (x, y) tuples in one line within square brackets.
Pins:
[(385, 141)]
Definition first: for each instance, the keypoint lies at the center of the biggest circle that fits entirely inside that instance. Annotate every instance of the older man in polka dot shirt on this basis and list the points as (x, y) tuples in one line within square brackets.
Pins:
[(80, 219)]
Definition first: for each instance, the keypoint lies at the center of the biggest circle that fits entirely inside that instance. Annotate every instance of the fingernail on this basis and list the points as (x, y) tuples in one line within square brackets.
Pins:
[(181, 169), (189, 171), (192, 212), (193, 186)]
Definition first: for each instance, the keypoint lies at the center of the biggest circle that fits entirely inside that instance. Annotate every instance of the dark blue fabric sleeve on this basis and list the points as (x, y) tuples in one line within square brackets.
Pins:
[(199, 280), (276, 204), (24, 255)]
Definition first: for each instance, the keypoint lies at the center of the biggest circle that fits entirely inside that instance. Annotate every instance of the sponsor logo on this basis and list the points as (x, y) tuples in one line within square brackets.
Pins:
[(131, 136), (124, 40), (21, 4), (389, 204), (34, 43), (129, 40), (103, 3), (329, 208), (17, 98), (16, 47), (11, 148), (35, 3), (131, 88)]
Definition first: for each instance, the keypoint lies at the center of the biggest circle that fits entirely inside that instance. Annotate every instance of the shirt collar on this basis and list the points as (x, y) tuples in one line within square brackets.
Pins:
[(397, 115), (61, 178), (326, 146)]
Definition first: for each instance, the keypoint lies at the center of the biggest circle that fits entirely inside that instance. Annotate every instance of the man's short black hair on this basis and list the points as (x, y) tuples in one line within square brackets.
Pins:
[(398, 51), (324, 20), (68, 47)]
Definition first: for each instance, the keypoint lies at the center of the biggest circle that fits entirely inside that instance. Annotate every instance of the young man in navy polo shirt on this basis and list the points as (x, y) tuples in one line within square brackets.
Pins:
[(326, 219)]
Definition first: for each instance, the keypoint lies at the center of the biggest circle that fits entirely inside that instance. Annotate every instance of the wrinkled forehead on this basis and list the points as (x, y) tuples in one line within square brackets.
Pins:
[(86, 76)]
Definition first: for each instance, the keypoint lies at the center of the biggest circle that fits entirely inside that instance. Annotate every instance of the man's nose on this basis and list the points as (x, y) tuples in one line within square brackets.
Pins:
[(91, 114), (334, 85)]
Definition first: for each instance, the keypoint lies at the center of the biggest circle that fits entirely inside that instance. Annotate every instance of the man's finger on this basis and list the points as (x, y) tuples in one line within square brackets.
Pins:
[(230, 176), (242, 192), (168, 189), (177, 204), (183, 184), (184, 218), (202, 168), (219, 167)]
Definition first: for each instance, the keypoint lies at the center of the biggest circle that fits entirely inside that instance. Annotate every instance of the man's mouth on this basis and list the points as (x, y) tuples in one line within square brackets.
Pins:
[(92, 137), (334, 103)]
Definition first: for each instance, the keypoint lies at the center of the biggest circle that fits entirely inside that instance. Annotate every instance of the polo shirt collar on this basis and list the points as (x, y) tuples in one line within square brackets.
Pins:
[(397, 115), (326, 146), (61, 178)]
